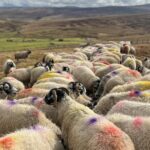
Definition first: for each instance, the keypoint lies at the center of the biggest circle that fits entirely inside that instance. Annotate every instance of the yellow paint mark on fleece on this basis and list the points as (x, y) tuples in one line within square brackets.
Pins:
[(144, 85), (49, 75)]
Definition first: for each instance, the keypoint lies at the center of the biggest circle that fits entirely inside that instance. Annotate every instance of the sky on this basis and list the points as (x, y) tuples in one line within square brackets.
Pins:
[(78, 3)]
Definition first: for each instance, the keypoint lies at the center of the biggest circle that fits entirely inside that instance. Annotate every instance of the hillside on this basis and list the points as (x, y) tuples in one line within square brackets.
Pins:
[(69, 12)]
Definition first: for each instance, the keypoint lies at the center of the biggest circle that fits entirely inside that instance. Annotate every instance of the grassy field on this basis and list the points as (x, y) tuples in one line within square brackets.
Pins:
[(16, 44)]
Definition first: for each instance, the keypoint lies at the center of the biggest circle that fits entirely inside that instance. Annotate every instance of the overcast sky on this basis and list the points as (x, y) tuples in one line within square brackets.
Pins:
[(80, 3)]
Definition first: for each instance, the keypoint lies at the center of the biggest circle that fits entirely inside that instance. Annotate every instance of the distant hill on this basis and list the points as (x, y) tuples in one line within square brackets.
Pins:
[(69, 12)]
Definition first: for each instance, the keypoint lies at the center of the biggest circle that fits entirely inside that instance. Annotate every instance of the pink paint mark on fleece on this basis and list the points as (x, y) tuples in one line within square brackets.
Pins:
[(137, 122), (112, 130), (6, 143), (35, 113), (134, 73)]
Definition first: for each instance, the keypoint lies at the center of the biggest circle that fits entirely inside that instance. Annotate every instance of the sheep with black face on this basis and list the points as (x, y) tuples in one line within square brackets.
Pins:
[(84, 129)]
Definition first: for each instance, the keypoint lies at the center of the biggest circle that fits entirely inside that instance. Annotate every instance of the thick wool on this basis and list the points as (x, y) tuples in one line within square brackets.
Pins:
[(138, 86), (35, 138), (36, 92), (138, 128), (49, 111), (36, 73), (17, 84), (108, 101), (22, 74), (16, 116), (125, 76), (131, 108), (85, 76), (101, 72), (130, 63), (59, 80), (83, 129), (49, 85)]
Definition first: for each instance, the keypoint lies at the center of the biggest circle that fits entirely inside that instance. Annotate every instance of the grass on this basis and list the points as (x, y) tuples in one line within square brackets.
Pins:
[(16, 44)]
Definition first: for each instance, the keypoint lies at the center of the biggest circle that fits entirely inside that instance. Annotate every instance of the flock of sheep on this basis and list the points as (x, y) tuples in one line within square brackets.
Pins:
[(96, 98)]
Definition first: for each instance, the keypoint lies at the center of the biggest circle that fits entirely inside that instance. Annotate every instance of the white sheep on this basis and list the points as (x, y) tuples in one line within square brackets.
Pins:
[(34, 138), (137, 85), (131, 108), (87, 77), (31, 92), (8, 66), (138, 128), (108, 101), (83, 129), (14, 82), (16, 116)]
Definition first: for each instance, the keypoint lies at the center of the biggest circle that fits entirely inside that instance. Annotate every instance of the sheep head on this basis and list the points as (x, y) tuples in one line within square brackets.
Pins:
[(56, 95), (8, 88), (77, 88)]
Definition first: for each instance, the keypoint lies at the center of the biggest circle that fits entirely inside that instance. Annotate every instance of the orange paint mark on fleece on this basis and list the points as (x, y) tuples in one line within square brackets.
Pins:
[(27, 91), (137, 122), (112, 130), (6, 143), (105, 62), (134, 73)]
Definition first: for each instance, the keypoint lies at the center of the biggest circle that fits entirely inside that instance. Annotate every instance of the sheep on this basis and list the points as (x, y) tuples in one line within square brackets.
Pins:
[(85, 76), (59, 80), (22, 55), (117, 77), (77, 91), (8, 66), (120, 79), (48, 85), (7, 90), (146, 62), (49, 111), (36, 73), (130, 62), (101, 72), (138, 128), (108, 101), (52, 74), (34, 138), (22, 74), (125, 49), (16, 116), (83, 129), (138, 85), (131, 108), (31, 92), (14, 82)]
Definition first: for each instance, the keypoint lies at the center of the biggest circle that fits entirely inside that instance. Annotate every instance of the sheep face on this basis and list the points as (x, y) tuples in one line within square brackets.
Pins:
[(29, 51), (77, 88), (66, 69), (8, 88), (56, 95), (50, 64)]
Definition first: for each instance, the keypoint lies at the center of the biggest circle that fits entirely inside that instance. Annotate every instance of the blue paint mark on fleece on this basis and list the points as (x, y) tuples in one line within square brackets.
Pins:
[(92, 121), (34, 99), (11, 102)]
